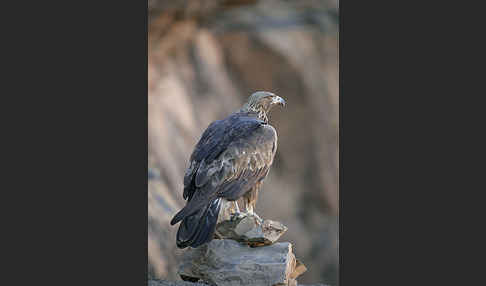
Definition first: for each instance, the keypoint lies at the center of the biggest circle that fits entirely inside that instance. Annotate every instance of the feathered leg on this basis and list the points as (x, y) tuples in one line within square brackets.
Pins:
[(236, 214), (250, 199), (236, 207)]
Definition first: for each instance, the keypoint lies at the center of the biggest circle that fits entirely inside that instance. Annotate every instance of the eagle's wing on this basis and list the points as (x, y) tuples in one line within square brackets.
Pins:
[(229, 159)]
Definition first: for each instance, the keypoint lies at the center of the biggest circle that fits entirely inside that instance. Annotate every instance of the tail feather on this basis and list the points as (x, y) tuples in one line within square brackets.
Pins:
[(208, 224), (192, 207), (180, 215), (198, 228)]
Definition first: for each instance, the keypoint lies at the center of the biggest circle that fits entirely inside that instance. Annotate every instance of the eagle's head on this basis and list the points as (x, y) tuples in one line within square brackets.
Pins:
[(262, 101)]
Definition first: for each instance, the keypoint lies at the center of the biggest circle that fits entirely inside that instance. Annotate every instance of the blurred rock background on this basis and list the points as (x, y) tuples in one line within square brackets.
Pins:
[(205, 58)]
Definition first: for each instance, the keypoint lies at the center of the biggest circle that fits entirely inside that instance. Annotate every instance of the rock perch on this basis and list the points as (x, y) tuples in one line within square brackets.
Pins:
[(228, 262), (251, 230)]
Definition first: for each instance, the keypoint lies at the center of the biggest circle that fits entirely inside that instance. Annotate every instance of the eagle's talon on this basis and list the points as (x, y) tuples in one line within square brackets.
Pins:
[(258, 217), (236, 215)]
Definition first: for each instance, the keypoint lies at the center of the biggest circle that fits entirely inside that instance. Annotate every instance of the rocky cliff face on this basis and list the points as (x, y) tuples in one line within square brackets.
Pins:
[(205, 59)]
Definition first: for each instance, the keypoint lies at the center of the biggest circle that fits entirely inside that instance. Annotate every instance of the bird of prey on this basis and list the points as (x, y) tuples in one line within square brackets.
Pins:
[(230, 161)]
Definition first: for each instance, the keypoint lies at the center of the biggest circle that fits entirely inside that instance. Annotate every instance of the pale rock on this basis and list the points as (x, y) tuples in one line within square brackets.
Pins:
[(247, 228), (225, 262)]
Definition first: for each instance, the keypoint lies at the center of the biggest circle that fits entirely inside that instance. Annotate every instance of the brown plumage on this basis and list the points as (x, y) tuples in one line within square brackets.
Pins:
[(230, 161)]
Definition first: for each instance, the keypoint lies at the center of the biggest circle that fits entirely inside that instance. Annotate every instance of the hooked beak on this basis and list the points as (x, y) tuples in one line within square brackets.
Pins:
[(278, 100)]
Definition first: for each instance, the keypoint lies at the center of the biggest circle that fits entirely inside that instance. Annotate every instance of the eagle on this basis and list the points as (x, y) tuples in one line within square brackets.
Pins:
[(230, 161)]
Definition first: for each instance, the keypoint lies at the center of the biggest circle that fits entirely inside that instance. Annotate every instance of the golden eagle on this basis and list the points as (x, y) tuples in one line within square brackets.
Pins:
[(230, 161)]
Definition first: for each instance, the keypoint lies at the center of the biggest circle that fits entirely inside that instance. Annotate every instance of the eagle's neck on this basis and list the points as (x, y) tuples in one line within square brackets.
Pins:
[(260, 113)]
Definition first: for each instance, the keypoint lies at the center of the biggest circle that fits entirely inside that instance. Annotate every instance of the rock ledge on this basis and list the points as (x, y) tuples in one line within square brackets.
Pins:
[(251, 230), (228, 262)]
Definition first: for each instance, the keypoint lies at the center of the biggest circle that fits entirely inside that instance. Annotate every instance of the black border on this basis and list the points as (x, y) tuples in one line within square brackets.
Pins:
[(404, 82), (78, 157)]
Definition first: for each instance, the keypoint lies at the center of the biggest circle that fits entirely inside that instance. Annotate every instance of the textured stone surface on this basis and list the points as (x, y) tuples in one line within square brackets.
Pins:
[(299, 269), (173, 283), (184, 283), (251, 230), (229, 263)]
